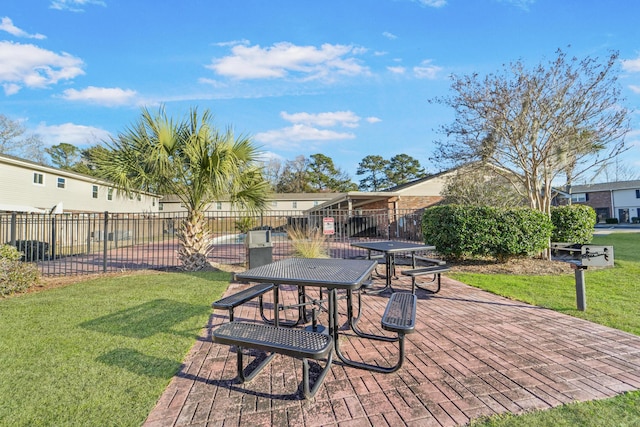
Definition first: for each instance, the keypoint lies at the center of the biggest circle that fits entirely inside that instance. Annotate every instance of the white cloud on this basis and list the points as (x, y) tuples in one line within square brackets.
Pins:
[(397, 70), (431, 3), (522, 4), (389, 35), (71, 134), (102, 95), (286, 60), (6, 24), (426, 71), (289, 137), (309, 127), (328, 119), (28, 65), (634, 88), (232, 43), (74, 5), (631, 65)]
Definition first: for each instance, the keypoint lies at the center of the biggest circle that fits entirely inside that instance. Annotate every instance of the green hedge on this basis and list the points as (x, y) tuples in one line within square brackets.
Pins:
[(467, 231), (574, 223)]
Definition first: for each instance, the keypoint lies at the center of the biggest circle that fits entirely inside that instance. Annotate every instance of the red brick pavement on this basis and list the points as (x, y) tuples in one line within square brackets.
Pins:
[(473, 354)]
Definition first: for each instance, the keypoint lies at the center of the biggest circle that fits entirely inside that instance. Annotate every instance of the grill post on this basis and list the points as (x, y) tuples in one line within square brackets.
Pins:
[(581, 295)]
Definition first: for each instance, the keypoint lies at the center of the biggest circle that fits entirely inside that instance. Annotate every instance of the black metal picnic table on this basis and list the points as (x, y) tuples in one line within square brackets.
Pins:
[(332, 274), (390, 248)]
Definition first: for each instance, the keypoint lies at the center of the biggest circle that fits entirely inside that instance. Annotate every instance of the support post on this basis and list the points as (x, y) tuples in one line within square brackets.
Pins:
[(581, 296)]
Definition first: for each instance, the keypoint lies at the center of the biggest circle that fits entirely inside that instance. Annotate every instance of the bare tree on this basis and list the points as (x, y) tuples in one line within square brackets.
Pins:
[(272, 171), (293, 178), (555, 121), (13, 141), (480, 186)]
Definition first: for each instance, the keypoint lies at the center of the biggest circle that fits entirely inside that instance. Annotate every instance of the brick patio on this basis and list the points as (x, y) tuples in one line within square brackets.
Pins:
[(473, 354)]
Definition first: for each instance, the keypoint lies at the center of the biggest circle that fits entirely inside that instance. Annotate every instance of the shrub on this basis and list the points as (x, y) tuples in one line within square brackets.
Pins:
[(463, 231), (244, 224), (611, 220), (574, 223), (308, 243), (15, 275)]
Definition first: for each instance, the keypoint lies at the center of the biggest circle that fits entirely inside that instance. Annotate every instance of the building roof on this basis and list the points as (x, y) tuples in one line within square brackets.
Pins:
[(606, 186), (172, 198)]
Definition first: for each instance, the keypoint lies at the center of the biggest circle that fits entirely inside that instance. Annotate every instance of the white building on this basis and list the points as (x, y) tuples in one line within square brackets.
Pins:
[(290, 202), (620, 200), (31, 187)]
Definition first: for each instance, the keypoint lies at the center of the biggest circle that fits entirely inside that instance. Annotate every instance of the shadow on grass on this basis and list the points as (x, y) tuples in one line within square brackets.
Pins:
[(141, 364), (145, 320)]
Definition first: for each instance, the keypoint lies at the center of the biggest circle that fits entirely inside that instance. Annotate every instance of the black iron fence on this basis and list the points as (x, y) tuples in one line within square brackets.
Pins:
[(85, 243)]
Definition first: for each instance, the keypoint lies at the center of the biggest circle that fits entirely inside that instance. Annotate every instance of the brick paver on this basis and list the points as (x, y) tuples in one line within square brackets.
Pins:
[(473, 354)]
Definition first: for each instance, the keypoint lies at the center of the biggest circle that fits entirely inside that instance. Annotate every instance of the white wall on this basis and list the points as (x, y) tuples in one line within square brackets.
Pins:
[(18, 188)]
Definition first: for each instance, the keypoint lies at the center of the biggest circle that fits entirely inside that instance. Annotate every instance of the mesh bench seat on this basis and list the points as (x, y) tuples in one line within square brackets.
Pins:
[(434, 261), (232, 301), (297, 343), (399, 317), (400, 314), (435, 270)]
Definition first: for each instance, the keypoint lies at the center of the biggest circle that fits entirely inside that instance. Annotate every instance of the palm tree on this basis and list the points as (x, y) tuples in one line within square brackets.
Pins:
[(192, 160)]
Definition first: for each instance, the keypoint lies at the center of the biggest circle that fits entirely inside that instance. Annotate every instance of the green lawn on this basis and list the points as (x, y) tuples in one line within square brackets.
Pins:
[(99, 352), (613, 298)]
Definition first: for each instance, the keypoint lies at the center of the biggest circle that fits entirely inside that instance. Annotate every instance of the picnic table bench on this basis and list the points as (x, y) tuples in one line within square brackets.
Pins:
[(435, 267), (297, 343), (239, 298)]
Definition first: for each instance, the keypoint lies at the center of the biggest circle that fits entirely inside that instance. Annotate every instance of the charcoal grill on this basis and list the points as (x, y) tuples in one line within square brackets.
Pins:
[(581, 257)]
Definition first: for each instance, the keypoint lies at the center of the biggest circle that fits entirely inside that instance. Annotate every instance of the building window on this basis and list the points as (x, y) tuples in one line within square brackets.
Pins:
[(61, 182), (315, 203), (579, 197), (95, 192), (219, 205), (274, 203), (139, 197), (637, 194), (110, 194), (153, 202), (294, 205), (160, 206), (38, 178)]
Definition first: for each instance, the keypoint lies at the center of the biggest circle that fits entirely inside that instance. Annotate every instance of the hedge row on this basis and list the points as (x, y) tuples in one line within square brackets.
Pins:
[(464, 231), (467, 231)]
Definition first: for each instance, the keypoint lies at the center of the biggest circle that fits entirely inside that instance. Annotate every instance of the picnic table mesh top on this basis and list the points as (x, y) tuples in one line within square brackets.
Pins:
[(312, 271), (392, 246)]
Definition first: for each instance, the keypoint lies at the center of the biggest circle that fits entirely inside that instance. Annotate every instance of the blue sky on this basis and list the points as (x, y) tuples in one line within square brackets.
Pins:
[(345, 78)]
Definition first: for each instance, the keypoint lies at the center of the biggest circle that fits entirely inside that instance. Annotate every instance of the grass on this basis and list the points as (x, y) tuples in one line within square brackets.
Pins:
[(101, 351), (613, 297)]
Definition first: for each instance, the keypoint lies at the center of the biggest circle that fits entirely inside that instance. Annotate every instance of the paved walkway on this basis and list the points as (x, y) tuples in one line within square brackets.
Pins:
[(473, 354)]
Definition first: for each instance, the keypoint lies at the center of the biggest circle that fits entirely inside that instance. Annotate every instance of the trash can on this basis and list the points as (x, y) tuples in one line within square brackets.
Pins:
[(259, 248)]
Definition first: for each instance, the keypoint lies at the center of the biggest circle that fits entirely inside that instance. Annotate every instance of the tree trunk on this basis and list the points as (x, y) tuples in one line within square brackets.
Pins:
[(194, 239)]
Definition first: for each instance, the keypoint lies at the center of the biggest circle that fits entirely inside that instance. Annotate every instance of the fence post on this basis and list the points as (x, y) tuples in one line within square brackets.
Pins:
[(13, 228), (104, 242), (53, 237)]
